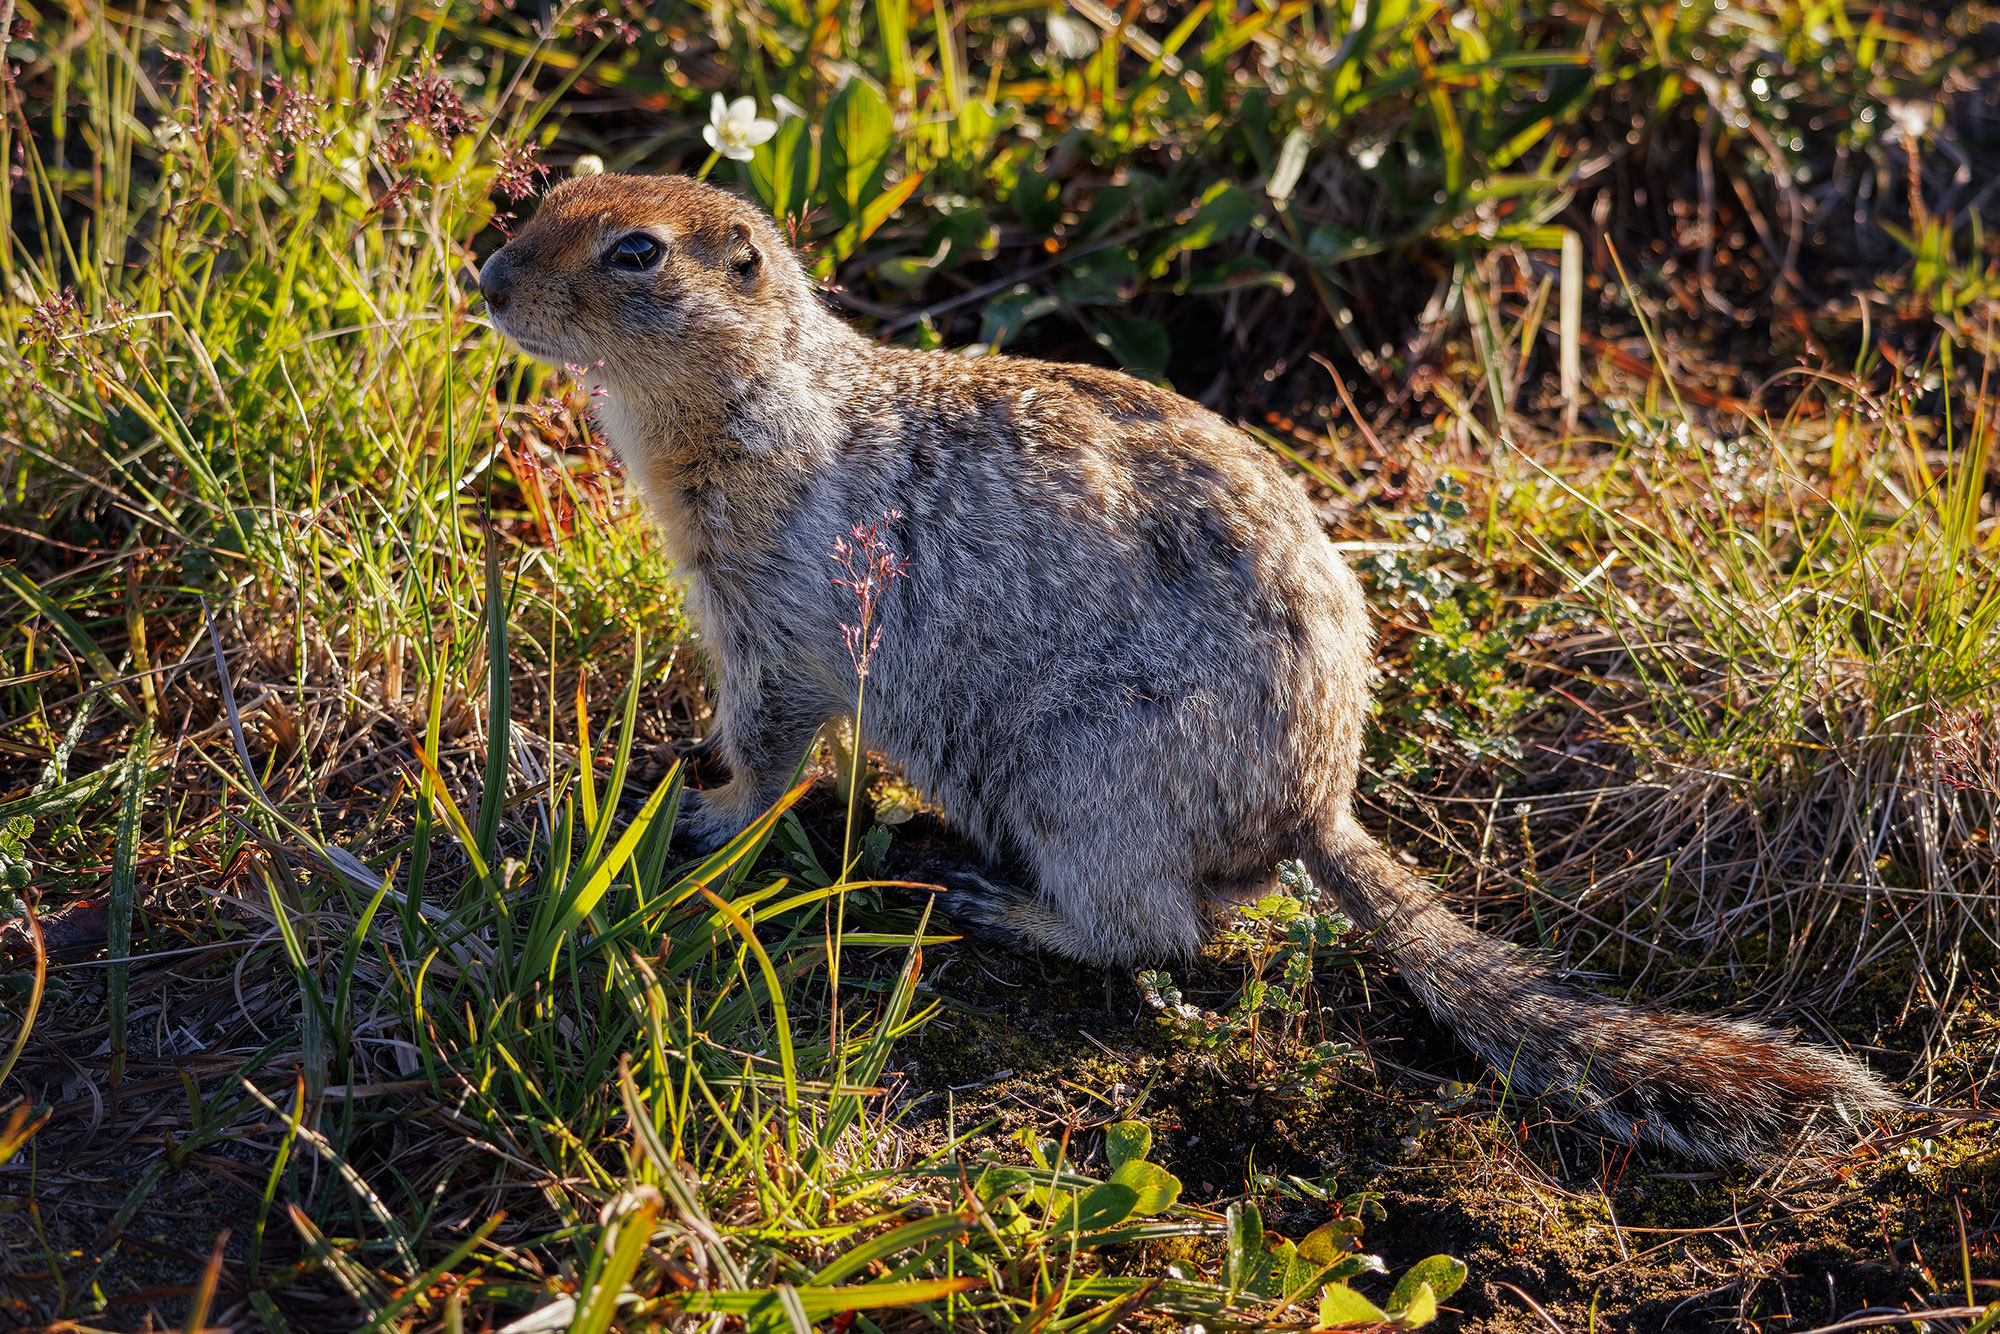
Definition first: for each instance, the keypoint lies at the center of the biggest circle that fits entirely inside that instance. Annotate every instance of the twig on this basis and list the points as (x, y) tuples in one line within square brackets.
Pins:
[(1534, 1306), (1876, 1317), (999, 285), (1347, 400), (34, 929)]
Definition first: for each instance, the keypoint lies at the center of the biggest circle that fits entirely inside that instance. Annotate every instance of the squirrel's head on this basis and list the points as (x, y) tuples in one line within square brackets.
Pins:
[(652, 280)]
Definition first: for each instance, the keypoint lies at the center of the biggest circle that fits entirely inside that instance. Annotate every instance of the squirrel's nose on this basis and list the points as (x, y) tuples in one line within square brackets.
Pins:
[(495, 284)]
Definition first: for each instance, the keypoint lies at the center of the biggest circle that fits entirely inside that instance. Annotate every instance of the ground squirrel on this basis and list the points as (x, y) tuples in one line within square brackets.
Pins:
[(1125, 657)]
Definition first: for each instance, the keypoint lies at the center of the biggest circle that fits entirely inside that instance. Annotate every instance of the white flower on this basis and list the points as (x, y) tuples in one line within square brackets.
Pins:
[(1071, 38), (588, 165), (1913, 118), (734, 128)]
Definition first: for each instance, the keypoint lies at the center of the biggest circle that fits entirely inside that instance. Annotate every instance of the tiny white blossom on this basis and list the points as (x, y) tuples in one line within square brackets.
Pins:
[(1071, 37), (735, 128), (588, 165), (1913, 118)]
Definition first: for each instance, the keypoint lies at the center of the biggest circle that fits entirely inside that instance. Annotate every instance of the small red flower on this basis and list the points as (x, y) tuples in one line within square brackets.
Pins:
[(870, 565)]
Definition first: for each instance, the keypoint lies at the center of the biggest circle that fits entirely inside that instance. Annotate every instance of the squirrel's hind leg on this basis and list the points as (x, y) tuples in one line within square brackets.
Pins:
[(1102, 911), (1076, 911)]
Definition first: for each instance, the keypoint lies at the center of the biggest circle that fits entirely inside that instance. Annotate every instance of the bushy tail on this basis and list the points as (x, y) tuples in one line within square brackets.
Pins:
[(1713, 1089)]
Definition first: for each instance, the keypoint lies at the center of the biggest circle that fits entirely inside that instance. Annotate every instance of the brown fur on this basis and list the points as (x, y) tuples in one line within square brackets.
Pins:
[(1125, 657)]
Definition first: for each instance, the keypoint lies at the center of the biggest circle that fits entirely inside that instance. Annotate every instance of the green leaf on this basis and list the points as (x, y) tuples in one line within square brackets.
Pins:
[(1010, 313), (1141, 346), (1354, 1266), (1098, 1208), (543, 960), (1156, 1187), (1330, 244), (73, 793), (1246, 1243), (821, 1302), (1302, 1276), (1273, 1267), (997, 1181), (1106, 278), (964, 235), (1042, 1151), (910, 1236), (876, 212), (1440, 1273), (1235, 274), (855, 148), (774, 990), (621, 767), (63, 622), (1330, 1241), (780, 171), (912, 271), (1225, 211), (972, 134), (1421, 1309), (618, 1250), (1106, 209), (1038, 200), (1127, 1142), (499, 717), (1340, 1305)]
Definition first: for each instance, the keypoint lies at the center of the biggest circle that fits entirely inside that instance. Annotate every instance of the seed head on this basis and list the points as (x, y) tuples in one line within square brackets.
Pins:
[(868, 566)]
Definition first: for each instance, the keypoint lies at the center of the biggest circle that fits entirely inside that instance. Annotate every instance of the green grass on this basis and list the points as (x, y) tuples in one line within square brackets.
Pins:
[(340, 685)]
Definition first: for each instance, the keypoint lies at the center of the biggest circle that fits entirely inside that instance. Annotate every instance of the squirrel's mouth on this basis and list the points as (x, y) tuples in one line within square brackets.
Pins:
[(537, 351), (534, 347)]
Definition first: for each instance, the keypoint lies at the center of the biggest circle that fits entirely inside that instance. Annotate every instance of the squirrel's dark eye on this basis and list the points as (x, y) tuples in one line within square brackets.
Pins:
[(637, 252)]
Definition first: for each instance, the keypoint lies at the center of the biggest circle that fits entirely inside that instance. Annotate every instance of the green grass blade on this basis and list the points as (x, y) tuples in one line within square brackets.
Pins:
[(874, 1058), (499, 721), (620, 768), (85, 646), (780, 1014), (624, 1241), (818, 1303), (909, 1237), (542, 957), (124, 881)]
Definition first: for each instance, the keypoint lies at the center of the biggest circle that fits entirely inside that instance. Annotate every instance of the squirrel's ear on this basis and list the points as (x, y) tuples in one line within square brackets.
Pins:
[(744, 257)]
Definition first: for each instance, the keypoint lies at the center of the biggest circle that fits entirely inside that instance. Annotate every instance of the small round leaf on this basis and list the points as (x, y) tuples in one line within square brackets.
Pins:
[(1441, 1272), (1126, 1142), (1341, 1307)]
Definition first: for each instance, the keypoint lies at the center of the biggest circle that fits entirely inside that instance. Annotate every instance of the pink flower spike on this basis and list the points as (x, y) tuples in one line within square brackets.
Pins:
[(870, 565)]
